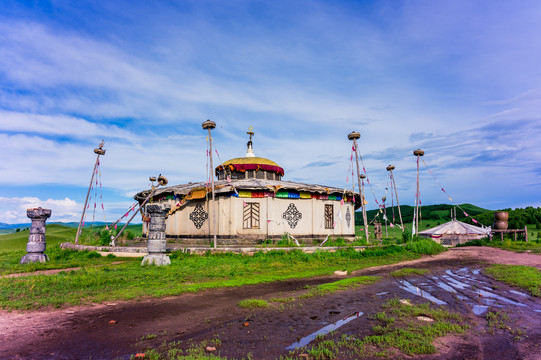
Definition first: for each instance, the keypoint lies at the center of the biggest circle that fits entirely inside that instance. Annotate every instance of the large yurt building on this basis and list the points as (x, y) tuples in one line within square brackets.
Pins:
[(253, 204)]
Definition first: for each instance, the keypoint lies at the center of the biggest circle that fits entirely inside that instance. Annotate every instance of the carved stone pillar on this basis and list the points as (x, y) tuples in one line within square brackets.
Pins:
[(36, 240), (156, 238)]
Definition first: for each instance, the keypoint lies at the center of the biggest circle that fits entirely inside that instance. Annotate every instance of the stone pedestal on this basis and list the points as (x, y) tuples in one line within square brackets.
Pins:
[(156, 237), (36, 240)]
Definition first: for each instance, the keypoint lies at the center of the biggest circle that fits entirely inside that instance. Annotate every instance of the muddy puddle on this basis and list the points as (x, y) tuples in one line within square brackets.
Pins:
[(324, 331), (469, 286)]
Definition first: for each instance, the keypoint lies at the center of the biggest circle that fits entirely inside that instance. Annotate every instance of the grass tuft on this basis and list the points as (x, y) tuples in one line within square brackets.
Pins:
[(253, 304), (344, 284), (408, 272)]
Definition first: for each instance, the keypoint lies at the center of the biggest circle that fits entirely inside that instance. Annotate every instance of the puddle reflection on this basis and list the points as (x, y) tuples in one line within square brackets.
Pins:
[(416, 291), (445, 287), (324, 331), (519, 293), (479, 309), (498, 297)]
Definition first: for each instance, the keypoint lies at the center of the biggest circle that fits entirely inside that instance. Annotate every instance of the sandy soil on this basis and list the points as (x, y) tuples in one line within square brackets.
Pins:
[(86, 332)]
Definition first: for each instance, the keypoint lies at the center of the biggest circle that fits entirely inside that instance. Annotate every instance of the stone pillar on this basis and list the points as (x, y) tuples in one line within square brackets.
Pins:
[(156, 238), (36, 240)]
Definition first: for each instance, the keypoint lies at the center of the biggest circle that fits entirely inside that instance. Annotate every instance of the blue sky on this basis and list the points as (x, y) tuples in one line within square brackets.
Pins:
[(459, 79)]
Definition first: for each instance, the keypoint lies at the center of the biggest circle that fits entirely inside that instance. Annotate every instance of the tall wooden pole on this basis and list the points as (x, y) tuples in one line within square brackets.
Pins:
[(383, 199), (354, 136), (390, 168), (211, 125), (365, 218), (418, 153), (100, 151)]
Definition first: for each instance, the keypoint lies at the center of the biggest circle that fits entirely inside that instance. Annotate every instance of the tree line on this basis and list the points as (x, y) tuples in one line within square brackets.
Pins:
[(518, 218)]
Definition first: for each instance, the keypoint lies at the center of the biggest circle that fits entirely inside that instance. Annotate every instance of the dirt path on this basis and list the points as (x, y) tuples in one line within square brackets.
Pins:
[(86, 332), (53, 271), (472, 253)]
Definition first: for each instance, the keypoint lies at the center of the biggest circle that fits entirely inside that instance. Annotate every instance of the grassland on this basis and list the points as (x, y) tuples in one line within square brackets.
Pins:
[(187, 273), (103, 279), (526, 277), (56, 234)]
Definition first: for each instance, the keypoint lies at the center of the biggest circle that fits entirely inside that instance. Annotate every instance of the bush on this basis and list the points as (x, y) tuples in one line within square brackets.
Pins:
[(406, 237), (286, 241), (336, 242), (476, 242), (105, 237), (425, 247)]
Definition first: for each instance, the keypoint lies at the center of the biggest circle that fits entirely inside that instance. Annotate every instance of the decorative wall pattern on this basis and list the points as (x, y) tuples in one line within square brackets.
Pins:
[(292, 215), (250, 216), (329, 216), (348, 216), (198, 216)]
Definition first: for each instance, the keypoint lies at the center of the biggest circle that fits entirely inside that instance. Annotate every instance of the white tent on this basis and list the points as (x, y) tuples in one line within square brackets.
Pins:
[(455, 232)]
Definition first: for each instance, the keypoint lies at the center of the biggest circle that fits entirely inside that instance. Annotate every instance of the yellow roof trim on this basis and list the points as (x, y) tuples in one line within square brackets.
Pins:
[(251, 160)]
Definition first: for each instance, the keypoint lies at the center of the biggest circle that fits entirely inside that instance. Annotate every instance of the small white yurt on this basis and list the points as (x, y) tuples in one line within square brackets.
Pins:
[(455, 232)]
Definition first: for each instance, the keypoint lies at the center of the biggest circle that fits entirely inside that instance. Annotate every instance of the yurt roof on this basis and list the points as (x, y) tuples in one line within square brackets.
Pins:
[(251, 160), (224, 186), (455, 227), (251, 163)]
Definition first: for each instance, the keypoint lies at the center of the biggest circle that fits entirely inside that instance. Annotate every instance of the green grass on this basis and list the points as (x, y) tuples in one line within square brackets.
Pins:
[(497, 319), (59, 259), (408, 272), (56, 234), (500, 320), (178, 350), (187, 273), (526, 277), (344, 284), (99, 280), (253, 304), (404, 332)]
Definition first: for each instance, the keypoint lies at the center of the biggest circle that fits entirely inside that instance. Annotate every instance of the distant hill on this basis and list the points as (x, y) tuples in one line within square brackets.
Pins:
[(13, 226), (441, 212)]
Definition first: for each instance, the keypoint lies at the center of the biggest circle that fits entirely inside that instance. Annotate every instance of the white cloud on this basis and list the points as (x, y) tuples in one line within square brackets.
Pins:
[(13, 210), (59, 125)]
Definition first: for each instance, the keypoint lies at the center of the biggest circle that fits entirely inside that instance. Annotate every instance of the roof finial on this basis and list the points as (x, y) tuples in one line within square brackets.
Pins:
[(250, 151)]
